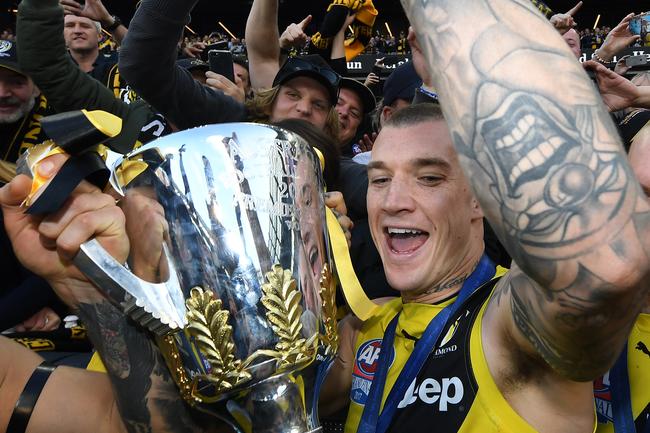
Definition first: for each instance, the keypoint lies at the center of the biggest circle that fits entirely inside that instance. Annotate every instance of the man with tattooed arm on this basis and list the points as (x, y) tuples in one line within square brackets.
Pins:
[(461, 351), (535, 146)]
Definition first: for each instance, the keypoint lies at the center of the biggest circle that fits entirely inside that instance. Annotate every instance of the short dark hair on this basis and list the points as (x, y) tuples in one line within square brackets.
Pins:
[(414, 114)]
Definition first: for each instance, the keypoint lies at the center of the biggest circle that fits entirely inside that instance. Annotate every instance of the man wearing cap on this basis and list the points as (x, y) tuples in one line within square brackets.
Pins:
[(21, 106), (354, 99), (355, 102), (399, 89)]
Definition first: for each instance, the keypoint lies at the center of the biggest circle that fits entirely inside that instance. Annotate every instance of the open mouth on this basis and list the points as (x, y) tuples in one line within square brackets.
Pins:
[(405, 240), (525, 153)]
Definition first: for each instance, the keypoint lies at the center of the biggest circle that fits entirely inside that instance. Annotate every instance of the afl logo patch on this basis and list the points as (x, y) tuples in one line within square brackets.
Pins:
[(366, 362)]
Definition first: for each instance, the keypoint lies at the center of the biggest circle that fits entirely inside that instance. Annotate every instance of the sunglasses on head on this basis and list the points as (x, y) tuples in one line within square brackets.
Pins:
[(294, 64)]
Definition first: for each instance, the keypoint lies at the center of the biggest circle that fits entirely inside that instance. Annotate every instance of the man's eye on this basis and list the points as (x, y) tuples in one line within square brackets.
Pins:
[(430, 179), (379, 180)]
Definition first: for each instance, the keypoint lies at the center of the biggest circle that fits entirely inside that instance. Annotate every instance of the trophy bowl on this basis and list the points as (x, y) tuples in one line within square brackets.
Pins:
[(233, 273)]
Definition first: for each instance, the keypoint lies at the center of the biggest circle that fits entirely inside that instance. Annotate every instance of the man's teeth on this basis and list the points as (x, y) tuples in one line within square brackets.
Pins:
[(393, 231), (517, 133)]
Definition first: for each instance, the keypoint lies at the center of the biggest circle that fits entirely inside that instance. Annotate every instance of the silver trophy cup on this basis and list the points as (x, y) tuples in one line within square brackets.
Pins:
[(230, 269)]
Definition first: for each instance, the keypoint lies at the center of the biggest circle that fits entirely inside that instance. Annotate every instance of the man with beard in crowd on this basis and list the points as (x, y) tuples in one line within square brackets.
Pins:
[(21, 108)]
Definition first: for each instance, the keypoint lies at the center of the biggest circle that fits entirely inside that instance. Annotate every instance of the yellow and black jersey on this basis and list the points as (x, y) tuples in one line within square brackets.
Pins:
[(454, 391), (638, 366)]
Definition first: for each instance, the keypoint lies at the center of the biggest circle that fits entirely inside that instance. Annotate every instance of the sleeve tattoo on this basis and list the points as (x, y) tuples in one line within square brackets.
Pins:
[(545, 160), (145, 393)]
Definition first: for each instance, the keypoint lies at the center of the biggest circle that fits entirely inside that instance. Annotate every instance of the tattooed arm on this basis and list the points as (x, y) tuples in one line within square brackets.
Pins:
[(545, 161), (145, 395)]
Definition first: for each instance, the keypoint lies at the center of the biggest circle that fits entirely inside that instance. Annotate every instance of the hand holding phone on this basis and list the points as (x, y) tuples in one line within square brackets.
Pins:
[(633, 61), (640, 24), (221, 62), (220, 46)]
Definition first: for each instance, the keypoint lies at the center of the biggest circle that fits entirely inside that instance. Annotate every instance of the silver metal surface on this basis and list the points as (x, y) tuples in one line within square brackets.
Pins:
[(227, 208)]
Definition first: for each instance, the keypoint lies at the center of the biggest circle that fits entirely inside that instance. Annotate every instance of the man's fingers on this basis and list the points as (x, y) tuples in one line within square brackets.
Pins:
[(575, 9), (53, 225), (334, 200), (304, 23), (53, 322), (70, 3), (13, 193), (107, 223)]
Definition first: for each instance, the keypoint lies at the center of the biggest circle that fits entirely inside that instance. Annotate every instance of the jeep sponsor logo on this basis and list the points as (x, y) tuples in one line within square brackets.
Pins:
[(431, 391)]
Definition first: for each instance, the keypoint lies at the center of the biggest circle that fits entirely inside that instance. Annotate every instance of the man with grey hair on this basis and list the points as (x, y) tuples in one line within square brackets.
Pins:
[(83, 33)]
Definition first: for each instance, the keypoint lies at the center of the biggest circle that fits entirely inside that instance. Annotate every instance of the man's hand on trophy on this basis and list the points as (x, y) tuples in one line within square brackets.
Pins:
[(334, 200), (147, 230), (47, 244)]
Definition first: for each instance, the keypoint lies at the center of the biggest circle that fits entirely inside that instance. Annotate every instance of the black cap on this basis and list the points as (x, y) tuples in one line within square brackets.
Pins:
[(312, 66), (9, 56), (193, 64), (401, 84), (365, 94)]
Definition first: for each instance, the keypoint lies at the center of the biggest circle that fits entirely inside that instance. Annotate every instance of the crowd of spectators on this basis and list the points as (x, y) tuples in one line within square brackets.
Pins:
[(63, 60)]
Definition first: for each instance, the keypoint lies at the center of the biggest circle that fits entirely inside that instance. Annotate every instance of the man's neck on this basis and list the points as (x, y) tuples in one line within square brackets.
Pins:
[(85, 59), (449, 285)]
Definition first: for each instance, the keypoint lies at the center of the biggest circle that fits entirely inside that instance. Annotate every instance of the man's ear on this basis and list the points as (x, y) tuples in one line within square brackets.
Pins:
[(386, 113), (477, 210), (36, 91)]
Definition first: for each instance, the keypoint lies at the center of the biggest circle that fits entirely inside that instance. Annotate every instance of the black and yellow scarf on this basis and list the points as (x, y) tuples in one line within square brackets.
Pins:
[(28, 133), (337, 11)]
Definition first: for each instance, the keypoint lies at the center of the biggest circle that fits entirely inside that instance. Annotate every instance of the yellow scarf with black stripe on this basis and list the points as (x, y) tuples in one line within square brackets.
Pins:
[(361, 27), (29, 132)]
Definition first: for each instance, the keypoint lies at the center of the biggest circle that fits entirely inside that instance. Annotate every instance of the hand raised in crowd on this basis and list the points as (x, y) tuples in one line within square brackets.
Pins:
[(619, 38), (219, 82), (367, 141), (334, 200), (371, 79), (565, 22), (617, 92), (44, 320), (621, 67), (349, 20), (47, 245), (93, 9), (294, 35), (194, 49)]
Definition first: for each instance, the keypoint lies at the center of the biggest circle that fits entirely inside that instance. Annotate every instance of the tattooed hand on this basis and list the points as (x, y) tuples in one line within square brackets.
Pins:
[(146, 396)]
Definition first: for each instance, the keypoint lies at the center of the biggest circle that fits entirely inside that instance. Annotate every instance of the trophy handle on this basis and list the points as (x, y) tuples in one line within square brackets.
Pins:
[(159, 307)]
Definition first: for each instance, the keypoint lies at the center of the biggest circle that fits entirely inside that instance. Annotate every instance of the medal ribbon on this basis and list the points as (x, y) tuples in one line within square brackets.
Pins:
[(619, 380), (371, 420)]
